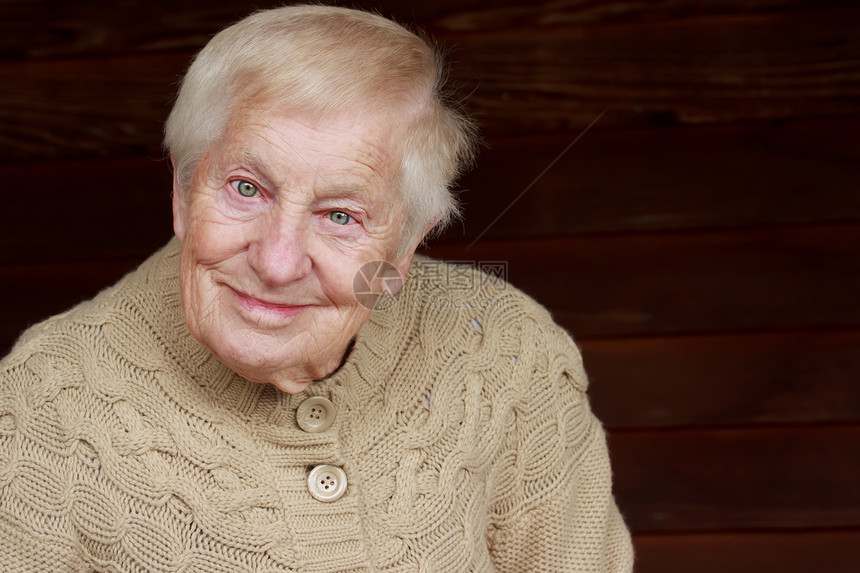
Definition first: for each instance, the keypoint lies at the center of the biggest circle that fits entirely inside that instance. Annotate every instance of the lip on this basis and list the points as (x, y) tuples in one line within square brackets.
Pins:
[(257, 305)]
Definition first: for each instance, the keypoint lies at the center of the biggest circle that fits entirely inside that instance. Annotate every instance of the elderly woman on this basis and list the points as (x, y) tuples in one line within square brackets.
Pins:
[(236, 404)]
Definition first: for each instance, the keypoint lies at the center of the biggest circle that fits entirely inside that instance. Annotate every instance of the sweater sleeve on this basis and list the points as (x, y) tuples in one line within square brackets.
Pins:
[(35, 532), (554, 510)]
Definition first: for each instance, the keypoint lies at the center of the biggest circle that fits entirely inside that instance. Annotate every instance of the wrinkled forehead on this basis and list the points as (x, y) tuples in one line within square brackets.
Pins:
[(353, 148), (382, 118)]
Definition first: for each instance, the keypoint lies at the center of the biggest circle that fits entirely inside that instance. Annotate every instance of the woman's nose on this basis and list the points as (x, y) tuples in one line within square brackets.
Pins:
[(278, 253)]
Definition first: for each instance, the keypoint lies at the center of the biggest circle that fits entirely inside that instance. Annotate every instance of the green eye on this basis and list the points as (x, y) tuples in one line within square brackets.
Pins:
[(245, 188), (339, 217)]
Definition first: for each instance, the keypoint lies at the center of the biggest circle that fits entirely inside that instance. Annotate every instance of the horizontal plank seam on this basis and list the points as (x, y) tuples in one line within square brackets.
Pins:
[(713, 230), (744, 531), (732, 333), (714, 429)]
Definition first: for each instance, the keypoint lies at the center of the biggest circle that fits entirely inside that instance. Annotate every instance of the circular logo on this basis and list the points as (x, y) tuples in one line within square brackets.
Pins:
[(376, 278)]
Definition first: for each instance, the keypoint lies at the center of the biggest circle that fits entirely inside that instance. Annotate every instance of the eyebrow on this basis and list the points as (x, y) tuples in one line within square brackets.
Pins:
[(254, 163), (357, 192), (357, 196)]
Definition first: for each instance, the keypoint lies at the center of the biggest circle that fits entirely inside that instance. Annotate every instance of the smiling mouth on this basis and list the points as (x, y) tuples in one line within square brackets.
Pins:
[(257, 305)]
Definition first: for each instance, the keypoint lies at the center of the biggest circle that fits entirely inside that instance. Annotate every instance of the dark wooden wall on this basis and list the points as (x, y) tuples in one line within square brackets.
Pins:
[(701, 240)]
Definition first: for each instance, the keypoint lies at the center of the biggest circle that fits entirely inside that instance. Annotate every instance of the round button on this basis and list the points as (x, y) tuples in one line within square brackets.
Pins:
[(327, 483), (315, 415)]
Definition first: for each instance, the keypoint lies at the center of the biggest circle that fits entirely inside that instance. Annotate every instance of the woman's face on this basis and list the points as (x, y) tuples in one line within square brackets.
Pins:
[(280, 217)]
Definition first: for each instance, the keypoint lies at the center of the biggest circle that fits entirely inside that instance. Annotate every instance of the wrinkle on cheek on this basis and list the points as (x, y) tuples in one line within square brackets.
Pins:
[(211, 310), (217, 211), (371, 241), (347, 247), (203, 308)]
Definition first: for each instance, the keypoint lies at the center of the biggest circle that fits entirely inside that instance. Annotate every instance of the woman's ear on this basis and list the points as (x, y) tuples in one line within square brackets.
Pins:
[(180, 204), (405, 260)]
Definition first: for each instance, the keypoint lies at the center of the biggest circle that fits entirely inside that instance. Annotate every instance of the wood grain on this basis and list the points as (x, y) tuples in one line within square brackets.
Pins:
[(99, 108), (760, 174), (687, 71), (720, 380), (684, 283), (694, 71), (101, 27), (733, 480), (752, 552), (49, 29)]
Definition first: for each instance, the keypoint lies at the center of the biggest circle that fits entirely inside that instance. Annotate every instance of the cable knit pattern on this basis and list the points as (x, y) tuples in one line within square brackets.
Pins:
[(462, 426)]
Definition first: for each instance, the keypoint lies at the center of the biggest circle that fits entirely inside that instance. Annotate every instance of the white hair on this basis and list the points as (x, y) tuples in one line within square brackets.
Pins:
[(322, 59)]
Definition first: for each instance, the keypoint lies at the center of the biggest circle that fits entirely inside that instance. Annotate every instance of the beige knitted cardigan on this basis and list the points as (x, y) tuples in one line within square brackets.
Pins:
[(462, 428)]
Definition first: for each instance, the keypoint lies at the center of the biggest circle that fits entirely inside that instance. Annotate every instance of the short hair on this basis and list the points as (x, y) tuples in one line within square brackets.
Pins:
[(322, 59)]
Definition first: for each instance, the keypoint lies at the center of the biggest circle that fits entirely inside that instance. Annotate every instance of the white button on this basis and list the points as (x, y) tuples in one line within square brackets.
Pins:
[(315, 415), (327, 483)]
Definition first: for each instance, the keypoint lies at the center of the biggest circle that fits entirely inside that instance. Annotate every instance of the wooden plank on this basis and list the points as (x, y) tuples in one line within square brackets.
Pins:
[(768, 378), (752, 552), (48, 29), (730, 480), (85, 210), (702, 70), (751, 280), (767, 66), (41, 29), (612, 181), (480, 16), (111, 107), (684, 178)]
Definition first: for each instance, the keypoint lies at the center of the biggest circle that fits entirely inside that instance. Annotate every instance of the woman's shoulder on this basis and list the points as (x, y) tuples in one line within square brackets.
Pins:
[(465, 285), (50, 351), (473, 309)]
